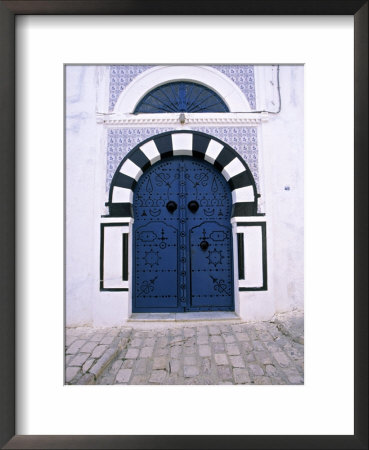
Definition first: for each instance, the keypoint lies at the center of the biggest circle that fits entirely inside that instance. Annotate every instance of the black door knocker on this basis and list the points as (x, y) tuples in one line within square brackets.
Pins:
[(204, 245), (193, 206), (171, 206)]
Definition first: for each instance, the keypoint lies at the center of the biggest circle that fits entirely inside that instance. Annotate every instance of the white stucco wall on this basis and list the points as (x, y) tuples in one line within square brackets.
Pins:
[(283, 162), (280, 143), (80, 158)]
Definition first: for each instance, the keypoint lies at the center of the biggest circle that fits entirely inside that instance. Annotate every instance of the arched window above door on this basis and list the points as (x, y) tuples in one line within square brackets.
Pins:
[(181, 96)]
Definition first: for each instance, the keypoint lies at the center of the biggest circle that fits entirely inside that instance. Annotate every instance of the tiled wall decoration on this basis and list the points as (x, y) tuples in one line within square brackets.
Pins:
[(122, 75), (244, 78), (122, 140)]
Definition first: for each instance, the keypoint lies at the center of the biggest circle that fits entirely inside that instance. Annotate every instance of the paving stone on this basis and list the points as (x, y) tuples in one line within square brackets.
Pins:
[(247, 347), (242, 337), (162, 351), (146, 352), (271, 370), (149, 342), (241, 376), (175, 351), (282, 359), (233, 349), (190, 371), (128, 364), (158, 376), (163, 342), (272, 347), (79, 359), (123, 376), (126, 332), (258, 346), (188, 332), (69, 340), (255, 369), (136, 342), (219, 348), (140, 367), (107, 340), (216, 339), (190, 350), (132, 353), (173, 378), (263, 357), (213, 329), (224, 328), (189, 342), (96, 337), (229, 338), (204, 350), (295, 379), (139, 379), (176, 332), (70, 373), (160, 363), (113, 332), (262, 380), (221, 359), (202, 339), (75, 347), (225, 372), (99, 350), (174, 366), (88, 347), (237, 361), (103, 362), (202, 331), (189, 360), (264, 336), (250, 357), (176, 340), (116, 366), (206, 366), (88, 378)]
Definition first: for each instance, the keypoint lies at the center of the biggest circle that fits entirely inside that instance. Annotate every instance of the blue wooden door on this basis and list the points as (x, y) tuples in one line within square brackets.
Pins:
[(182, 240)]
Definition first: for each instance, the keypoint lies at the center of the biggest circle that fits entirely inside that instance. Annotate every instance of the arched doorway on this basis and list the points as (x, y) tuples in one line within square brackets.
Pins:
[(182, 238)]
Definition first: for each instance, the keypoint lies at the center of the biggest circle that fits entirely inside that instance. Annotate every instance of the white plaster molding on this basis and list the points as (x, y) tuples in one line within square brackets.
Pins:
[(205, 75), (192, 119), (110, 219), (245, 219)]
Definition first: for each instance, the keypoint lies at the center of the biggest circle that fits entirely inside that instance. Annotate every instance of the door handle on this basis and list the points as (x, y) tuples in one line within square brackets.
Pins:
[(171, 206), (204, 245), (193, 206)]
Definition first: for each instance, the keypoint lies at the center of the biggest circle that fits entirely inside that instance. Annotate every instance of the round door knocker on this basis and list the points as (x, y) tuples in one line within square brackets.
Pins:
[(204, 245), (171, 206), (193, 206)]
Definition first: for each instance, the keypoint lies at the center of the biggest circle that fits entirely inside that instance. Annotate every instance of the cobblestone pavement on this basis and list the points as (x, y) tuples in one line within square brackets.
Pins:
[(189, 353)]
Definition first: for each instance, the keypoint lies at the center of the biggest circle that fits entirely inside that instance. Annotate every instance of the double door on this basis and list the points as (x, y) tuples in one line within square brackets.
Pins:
[(182, 238)]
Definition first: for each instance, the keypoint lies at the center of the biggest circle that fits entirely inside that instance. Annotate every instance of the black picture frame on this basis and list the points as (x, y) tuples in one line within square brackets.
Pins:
[(8, 12)]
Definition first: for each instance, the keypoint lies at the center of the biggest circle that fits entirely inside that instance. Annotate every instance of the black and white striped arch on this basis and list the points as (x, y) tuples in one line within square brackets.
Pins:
[(188, 143)]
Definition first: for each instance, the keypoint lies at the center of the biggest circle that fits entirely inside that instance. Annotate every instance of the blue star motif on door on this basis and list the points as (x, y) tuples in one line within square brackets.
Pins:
[(215, 257), (152, 258)]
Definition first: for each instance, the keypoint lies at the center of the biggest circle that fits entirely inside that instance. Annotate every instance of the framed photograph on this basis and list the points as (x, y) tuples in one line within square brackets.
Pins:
[(181, 265)]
